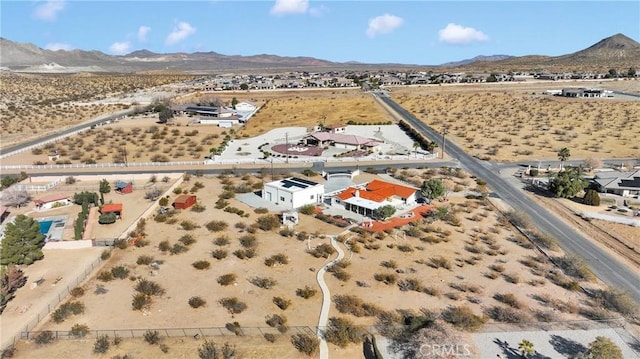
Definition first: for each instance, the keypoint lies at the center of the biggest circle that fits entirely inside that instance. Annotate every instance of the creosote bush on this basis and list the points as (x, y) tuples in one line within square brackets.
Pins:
[(463, 318), (281, 303), (197, 302), (227, 279), (233, 305), (201, 264), (306, 293), (305, 343)]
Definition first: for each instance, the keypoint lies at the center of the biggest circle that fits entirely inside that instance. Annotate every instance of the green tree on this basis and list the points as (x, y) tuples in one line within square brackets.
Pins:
[(612, 73), (384, 212), (234, 102), (631, 72), (526, 348), (22, 242), (604, 348), (105, 187), (492, 78), (567, 183), (244, 86), (432, 188), (563, 154), (591, 198)]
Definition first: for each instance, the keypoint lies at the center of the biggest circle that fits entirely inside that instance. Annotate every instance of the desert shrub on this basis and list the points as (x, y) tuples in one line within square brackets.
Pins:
[(221, 203), (497, 268), (263, 282), (505, 314), (234, 328), (306, 292), (574, 266), (120, 272), (140, 301), (339, 273), (277, 321), (79, 330), (209, 350), (276, 258), (178, 248), (67, 309), (216, 226), (596, 313), (221, 241), (189, 225), (141, 243), (196, 302), (432, 291), (144, 260), (152, 337), (268, 222), (410, 284), (248, 241), (219, 254), (439, 262), (199, 208), (287, 232), (233, 305), (270, 337), (391, 264), (308, 209), (386, 278), (261, 210), (463, 318), (405, 248), (245, 253), (164, 246), (101, 345), (305, 343), (44, 337), (77, 292), (105, 276), (349, 304), (323, 250), (187, 239), (148, 287), (342, 331), (281, 303), (616, 300), (227, 279), (508, 299), (120, 243), (201, 264), (604, 348), (106, 254)]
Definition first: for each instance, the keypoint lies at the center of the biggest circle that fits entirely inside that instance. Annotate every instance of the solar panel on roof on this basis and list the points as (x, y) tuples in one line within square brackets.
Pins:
[(288, 184), (302, 180)]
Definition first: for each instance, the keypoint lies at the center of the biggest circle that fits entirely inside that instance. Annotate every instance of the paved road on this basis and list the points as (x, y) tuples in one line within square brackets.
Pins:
[(604, 265)]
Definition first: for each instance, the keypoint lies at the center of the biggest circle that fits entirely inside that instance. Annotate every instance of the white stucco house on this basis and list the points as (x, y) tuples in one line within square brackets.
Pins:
[(293, 192)]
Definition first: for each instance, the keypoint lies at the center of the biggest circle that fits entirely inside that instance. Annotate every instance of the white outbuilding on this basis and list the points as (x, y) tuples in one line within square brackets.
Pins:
[(293, 192)]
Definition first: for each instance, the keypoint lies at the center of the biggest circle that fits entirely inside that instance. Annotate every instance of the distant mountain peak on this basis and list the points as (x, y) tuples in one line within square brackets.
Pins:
[(476, 59), (141, 53), (615, 42)]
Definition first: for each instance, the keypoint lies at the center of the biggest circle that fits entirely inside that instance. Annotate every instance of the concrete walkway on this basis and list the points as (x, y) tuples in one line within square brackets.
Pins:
[(326, 299)]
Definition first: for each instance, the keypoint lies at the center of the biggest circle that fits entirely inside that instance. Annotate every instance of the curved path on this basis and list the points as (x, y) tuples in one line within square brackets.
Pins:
[(326, 299)]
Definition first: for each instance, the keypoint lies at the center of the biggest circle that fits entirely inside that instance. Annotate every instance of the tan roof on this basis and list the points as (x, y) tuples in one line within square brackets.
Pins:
[(51, 198)]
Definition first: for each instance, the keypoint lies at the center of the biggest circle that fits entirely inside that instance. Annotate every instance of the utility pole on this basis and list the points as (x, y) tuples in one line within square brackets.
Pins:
[(444, 144)]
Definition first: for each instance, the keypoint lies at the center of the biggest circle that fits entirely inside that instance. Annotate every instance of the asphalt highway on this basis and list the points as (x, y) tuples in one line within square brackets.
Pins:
[(604, 266)]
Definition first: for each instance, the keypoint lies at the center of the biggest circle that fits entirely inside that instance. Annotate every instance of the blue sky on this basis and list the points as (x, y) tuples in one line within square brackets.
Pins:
[(410, 32)]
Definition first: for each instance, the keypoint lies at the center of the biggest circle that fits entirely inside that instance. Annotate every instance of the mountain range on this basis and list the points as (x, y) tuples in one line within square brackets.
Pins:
[(618, 51)]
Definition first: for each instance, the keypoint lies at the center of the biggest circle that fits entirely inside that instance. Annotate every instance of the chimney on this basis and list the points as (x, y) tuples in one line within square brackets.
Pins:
[(357, 193)]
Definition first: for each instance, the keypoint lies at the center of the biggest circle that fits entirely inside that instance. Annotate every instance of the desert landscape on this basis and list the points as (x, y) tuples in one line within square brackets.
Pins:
[(464, 259), (34, 105), (510, 122)]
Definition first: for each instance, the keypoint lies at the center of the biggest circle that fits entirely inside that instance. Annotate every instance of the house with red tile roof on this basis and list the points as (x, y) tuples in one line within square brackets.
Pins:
[(365, 199)]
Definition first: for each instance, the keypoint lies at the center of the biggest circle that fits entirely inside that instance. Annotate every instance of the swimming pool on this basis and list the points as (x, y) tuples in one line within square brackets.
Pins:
[(45, 226)]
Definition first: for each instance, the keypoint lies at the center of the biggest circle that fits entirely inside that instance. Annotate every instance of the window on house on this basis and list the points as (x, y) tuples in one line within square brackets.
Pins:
[(282, 199), (311, 197)]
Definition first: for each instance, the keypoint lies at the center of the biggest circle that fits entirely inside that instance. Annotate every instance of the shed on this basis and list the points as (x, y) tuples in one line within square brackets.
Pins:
[(184, 201), (124, 187), (112, 208)]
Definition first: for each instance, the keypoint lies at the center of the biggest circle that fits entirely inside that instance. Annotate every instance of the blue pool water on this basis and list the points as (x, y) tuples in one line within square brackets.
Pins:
[(44, 226)]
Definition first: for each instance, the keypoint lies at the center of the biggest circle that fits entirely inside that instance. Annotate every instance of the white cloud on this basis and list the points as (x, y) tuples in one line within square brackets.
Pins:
[(318, 11), (181, 31), (283, 7), (49, 10), (460, 35), (383, 24), (55, 46), (120, 48), (142, 32)]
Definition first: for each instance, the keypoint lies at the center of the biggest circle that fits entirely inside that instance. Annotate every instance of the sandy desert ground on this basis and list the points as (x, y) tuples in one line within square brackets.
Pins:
[(469, 259), (34, 105), (512, 122)]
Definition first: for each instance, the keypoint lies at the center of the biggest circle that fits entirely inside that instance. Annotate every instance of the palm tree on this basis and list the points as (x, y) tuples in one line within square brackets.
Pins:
[(563, 155), (526, 348), (415, 148)]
